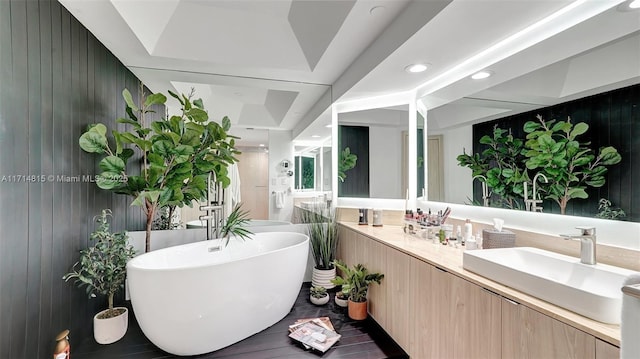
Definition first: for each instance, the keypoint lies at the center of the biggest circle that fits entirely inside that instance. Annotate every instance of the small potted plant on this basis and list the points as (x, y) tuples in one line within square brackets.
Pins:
[(102, 269), (318, 295), (342, 296), (357, 280)]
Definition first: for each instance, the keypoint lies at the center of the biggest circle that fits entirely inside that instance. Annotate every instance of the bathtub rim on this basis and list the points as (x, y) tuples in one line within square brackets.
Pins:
[(213, 241)]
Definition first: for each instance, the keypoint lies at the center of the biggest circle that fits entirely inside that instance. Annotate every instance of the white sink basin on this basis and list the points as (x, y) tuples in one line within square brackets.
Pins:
[(593, 291)]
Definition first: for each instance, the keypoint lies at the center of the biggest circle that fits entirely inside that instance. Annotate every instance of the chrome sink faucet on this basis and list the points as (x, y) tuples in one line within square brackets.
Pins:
[(587, 243)]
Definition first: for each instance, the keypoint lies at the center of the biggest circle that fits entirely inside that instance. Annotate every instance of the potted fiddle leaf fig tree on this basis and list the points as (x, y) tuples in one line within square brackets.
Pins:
[(174, 155), (102, 269), (571, 166), (357, 279)]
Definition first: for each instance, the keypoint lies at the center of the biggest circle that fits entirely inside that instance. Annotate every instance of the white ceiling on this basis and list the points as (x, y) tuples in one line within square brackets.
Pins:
[(279, 64)]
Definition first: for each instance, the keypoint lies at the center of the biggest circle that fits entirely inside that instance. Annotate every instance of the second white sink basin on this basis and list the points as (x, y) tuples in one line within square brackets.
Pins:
[(593, 291)]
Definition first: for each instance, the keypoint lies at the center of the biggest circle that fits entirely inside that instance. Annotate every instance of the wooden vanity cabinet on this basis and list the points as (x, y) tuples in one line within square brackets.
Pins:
[(432, 313)]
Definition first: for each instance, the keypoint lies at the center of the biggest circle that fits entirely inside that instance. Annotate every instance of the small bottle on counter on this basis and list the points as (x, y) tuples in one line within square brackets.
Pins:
[(479, 239), (468, 230), (62, 349), (459, 236)]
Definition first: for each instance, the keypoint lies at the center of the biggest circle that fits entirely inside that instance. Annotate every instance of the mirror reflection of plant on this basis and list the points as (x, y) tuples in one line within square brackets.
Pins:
[(346, 162), (165, 220), (177, 154), (502, 164), (553, 148), (606, 212)]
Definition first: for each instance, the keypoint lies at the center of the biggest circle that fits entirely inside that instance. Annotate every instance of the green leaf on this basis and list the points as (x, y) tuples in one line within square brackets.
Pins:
[(198, 103), (93, 141), (112, 164), (157, 126), (531, 126), (110, 180), (155, 99), (128, 99), (130, 122), (598, 181), (126, 154), (486, 140), (182, 153), (226, 123), (546, 141), (508, 173), (609, 156), (197, 114), (162, 148), (152, 196), (577, 192), (578, 129)]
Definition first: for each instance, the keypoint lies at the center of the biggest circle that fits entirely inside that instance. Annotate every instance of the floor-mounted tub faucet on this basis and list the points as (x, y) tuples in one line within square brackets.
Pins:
[(485, 190), (587, 238)]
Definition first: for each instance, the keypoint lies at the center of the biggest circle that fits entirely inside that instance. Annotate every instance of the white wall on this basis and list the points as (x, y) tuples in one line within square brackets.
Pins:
[(280, 148), (385, 160), (458, 186)]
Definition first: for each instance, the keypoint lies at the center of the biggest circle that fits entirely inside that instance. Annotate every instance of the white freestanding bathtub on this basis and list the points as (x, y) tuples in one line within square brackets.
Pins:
[(191, 301)]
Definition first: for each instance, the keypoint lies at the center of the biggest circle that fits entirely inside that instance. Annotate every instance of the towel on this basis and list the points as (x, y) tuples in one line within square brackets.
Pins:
[(279, 199), (630, 322), (232, 192)]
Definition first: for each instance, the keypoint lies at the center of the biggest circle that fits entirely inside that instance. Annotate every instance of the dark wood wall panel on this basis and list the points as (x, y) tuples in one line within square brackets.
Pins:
[(356, 183), (55, 79), (614, 120)]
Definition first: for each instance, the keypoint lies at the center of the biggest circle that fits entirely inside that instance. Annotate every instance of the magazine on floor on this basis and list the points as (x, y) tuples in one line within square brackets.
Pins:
[(316, 333)]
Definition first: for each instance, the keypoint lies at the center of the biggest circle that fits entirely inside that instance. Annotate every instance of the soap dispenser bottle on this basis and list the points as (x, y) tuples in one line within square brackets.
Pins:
[(468, 230)]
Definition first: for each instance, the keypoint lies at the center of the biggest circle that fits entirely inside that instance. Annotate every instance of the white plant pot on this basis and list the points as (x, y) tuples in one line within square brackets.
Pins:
[(319, 301), (110, 330), (342, 302), (323, 277)]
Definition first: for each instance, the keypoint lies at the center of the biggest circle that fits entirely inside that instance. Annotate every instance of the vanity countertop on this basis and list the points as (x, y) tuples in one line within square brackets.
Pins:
[(450, 259)]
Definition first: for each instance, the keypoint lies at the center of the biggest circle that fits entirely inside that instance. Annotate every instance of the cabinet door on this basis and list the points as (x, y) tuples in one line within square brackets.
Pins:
[(605, 350), (527, 333), (474, 321)]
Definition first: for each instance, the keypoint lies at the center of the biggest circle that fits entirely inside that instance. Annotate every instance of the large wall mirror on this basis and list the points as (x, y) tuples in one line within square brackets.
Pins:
[(312, 166), (589, 72), (380, 140)]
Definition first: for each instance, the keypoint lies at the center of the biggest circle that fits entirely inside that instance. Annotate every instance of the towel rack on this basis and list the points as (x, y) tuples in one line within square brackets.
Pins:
[(288, 191)]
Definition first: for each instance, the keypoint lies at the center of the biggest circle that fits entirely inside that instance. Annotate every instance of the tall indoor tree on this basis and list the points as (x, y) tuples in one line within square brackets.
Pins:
[(175, 154)]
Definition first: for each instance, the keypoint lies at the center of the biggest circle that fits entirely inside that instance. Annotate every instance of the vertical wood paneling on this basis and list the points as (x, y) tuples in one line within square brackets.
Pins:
[(18, 235), (56, 79), (613, 119), (5, 80)]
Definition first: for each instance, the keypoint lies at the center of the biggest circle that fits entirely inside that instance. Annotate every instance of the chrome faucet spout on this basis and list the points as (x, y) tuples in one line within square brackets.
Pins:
[(587, 239), (534, 196), (485, 190)]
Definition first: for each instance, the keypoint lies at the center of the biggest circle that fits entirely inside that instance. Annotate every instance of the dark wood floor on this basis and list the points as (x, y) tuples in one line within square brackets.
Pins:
[(360, 340)]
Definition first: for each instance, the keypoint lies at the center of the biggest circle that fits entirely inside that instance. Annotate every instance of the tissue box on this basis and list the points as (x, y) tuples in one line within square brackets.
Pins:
[(494, 239)]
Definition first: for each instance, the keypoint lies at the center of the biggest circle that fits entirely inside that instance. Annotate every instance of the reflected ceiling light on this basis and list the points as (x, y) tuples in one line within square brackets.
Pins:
[(329, 126), (481, 75), (315, 136), (261, 145), (415, 68), (634, 4)]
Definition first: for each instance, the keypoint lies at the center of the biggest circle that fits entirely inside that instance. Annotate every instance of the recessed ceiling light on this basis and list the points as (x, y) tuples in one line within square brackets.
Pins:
[(634, 4), (315, 136), (261, 145), (329, 126), (415, 68), (481, 75)]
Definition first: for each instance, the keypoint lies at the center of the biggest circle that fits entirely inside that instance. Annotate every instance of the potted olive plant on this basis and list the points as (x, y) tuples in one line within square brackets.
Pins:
[(322, 228), (102, 269), (318, 295), (358, 280)]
